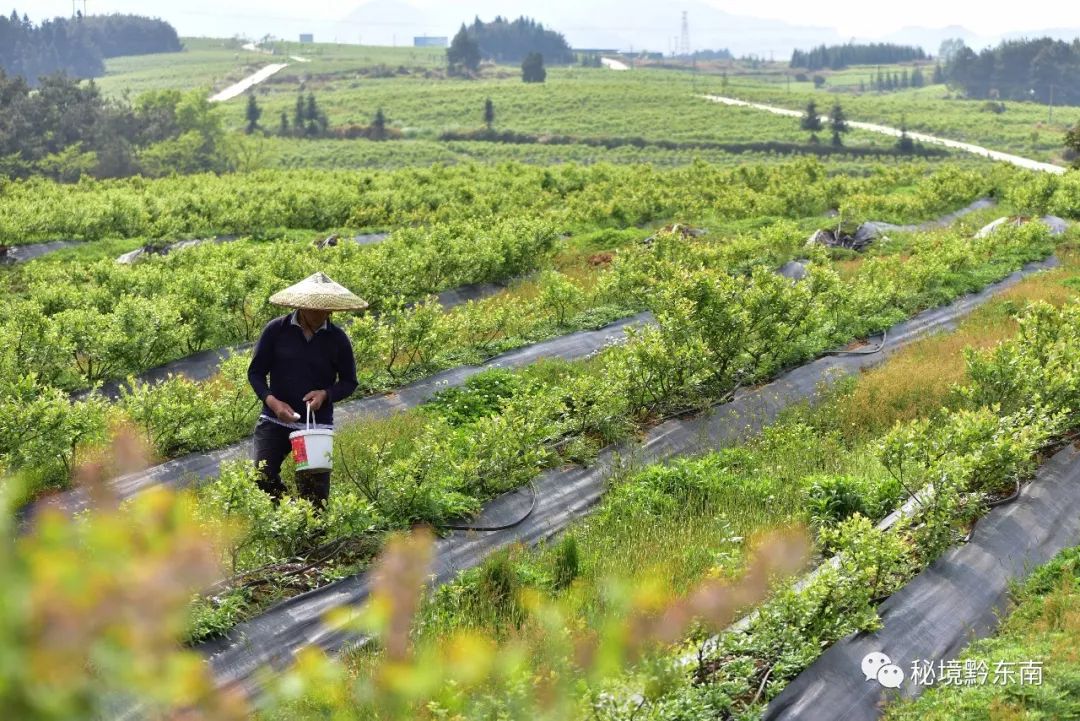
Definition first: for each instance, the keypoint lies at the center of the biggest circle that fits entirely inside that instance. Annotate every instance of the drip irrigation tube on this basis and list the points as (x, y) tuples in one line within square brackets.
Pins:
[(562, 496), (863, 351), (503, 527)]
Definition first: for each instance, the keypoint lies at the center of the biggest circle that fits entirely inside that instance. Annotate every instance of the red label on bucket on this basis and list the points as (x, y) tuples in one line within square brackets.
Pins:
[(299, 450)]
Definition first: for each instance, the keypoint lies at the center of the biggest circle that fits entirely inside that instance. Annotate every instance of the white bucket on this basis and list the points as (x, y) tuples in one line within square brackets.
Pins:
[(312, 447)]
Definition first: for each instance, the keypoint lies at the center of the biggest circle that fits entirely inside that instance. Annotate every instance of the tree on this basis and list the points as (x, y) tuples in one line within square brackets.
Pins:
[(489, 113), (811, 120), (904, 143), (378, 126), (938, 77), (283, 127), (838, 124), (311, 112), (254, 112), (532, 68), (463, 55), (1072, 143), (918, 80), (948, 50), (506, 41), (298, 115)]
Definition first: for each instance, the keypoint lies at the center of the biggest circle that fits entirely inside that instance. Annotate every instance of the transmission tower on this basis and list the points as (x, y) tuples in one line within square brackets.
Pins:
[(684, 36)]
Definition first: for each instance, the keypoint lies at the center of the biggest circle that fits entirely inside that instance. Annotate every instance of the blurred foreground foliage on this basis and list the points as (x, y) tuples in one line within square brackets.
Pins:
[(93, 607)]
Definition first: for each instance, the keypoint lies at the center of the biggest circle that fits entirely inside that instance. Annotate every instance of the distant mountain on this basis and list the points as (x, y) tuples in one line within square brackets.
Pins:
[(644, 24), (388, 22), (1067, 34), (635, 24), (929, 39), (630, 24)]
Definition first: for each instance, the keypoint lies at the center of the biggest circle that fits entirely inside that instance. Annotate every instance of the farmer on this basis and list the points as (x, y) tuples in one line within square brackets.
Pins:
[(309, 361)]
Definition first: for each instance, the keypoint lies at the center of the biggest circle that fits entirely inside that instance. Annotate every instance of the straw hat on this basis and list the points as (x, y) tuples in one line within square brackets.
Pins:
[(318, 292)]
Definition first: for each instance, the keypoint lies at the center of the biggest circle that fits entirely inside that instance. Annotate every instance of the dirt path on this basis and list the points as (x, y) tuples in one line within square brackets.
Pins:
[(894, 132), (249, 82)]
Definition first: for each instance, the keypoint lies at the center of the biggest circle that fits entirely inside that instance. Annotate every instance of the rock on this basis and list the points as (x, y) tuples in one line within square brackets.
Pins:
[(677, 228), (180, 246), (991, 227), (793, 269), (329, 242), (863, 236), (130, 257), (156, 248), (1056, 225)]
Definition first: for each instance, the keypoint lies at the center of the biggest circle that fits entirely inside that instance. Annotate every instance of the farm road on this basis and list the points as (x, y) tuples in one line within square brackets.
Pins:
[(894, 132)]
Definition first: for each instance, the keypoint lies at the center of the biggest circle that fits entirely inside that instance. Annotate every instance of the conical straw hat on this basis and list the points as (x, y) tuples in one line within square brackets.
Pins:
[(318, 292)]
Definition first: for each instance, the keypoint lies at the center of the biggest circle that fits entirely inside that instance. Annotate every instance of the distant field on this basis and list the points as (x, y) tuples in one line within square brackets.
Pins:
[(342, 154), (204, 63), (653, 104), (217, 62), (1022, 129), (327, 58)]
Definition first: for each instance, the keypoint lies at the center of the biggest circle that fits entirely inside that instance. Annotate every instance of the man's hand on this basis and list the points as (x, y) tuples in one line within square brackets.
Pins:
[(316, 399), (282, 410)]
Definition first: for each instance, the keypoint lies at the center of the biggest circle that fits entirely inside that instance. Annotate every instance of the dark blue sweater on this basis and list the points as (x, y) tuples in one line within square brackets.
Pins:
[(297, 365)]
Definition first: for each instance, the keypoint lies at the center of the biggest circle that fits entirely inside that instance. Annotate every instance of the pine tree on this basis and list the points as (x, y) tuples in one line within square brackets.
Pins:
[(811, 120), (905, 79), (838, 124), (463, 55), (254, 112), (532, 68), (489, 113), (311, 112), (298, 115), (918, 80), (939, 75), (283, 127)]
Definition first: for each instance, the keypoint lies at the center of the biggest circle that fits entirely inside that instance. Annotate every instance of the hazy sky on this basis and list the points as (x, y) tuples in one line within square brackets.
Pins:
[(849, 17)]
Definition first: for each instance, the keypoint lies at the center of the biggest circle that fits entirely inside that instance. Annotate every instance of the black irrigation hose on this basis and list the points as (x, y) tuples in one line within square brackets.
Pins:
[(1000, 502), (881, 345), (532, 507)]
